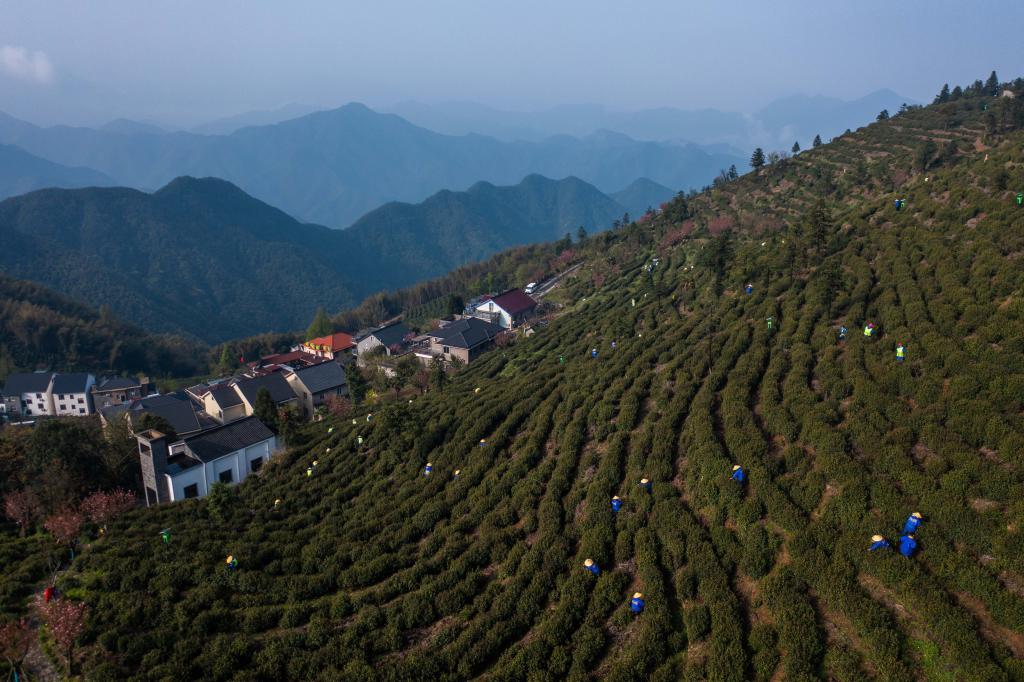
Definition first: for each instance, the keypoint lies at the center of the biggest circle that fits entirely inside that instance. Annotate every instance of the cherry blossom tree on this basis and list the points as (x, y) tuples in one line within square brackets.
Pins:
[(101, 507), (23, 508), (16, 639), (65, 526), (65, 621)]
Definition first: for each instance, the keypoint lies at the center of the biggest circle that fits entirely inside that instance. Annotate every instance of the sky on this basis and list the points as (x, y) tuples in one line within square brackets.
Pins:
[(186, 62)]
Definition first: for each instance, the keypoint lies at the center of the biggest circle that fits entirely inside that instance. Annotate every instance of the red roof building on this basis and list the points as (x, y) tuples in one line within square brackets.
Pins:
[(507, 309), (329, 346)]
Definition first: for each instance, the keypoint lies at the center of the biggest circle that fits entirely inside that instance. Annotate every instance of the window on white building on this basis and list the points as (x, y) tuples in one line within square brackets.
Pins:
[(256, 464), (192, 491), (226, 476)]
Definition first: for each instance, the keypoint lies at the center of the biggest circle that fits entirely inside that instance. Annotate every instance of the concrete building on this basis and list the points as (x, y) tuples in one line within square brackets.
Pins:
[(507, 309), (313, 385), (46, 394), (110, 391), (188, 468), (463, 339)]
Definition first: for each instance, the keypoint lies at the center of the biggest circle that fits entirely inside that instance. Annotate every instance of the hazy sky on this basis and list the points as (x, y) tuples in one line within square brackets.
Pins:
[(187, 61)]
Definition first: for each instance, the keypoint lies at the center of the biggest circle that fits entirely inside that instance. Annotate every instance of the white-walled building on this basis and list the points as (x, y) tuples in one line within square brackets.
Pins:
[(188, 468), (72, 394), (47, 394), (507, 309)]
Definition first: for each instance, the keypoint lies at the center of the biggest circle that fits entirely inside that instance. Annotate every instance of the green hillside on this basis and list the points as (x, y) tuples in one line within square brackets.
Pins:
[(41, 329), (371, 570), (201, 257)]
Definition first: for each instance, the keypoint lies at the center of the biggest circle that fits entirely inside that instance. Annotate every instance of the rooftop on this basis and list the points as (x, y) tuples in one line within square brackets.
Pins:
[(115, 383), (322, 377), (514, 301), (224, 440), (280, 391), (390, 334), (466, 333), (335, 343), (27, 382), (71, 383)]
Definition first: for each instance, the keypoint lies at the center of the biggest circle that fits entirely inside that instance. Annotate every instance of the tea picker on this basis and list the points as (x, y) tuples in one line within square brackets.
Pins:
[(878, 542)]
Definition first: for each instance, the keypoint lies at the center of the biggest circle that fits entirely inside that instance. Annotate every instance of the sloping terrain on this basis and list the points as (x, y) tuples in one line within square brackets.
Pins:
[(371, 570), (201, 257), (42, 329), (21, 172)]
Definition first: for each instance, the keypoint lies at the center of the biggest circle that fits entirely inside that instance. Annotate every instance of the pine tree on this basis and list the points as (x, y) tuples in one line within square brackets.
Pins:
[(733, 173), (356, 383), (943, 95), (321, 325), (883, 115), (757, 158), (956, 94), (581, 233), (227, 359), (992, 84), (796, 148), (817, 141), (264, 408)]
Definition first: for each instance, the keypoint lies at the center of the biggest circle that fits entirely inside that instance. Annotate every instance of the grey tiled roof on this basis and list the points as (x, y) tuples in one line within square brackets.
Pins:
[(229, 438), (322, 377)]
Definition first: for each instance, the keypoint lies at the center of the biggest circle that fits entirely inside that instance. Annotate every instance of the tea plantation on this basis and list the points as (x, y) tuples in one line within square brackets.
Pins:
[(370, 569)]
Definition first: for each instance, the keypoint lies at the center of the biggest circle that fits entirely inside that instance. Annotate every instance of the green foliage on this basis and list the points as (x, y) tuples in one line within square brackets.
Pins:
[(320, 326), (370, 568)]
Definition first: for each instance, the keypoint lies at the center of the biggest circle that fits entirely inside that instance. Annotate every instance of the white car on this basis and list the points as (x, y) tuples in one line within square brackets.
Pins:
[(530, 287)]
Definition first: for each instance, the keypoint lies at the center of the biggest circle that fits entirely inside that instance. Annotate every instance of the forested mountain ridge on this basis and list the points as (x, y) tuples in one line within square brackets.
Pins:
[(331, 167), (201, 257), (371, 569), (40, 329)]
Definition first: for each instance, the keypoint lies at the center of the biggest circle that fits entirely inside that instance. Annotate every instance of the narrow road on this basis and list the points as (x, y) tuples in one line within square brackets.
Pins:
[(550, 283)]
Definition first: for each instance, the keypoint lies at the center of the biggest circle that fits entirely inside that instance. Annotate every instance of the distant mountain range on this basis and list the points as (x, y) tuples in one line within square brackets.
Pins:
[(22, 172), (776, 126), (202, 257), (333, 166)]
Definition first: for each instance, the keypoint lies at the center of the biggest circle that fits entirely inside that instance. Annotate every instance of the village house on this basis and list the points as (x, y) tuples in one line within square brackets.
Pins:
[(463, 339), (47, 394), (117, 390), (72, 394), (189, 467), (331, 347), (315, 384), (393, 338), (508, 309), (175, 408), (277, 386), (224, 403), (28, 395)]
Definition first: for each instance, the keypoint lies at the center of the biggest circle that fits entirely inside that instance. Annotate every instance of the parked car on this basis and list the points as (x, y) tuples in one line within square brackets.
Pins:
[(530, 288)]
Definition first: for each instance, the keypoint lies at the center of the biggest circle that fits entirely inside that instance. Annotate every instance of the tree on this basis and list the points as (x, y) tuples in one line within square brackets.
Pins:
[(121, 456), (227, 359), (289, 421), (943, 95), (581, 234), (956, 94), (405, 370), (101, 507), (16, 639), (320, 326), (819, 227), (65, 527), (264, 408), (626, 220), (455, 304), (438, 376), (924, 154), (992, 84), (65, 621), (356, 383), (221, 501), (421, 380), (733, 173), (795, 148), (883, 115), (817, 141), (23, 508), (338, 405), (157, 423), (757, 158)]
